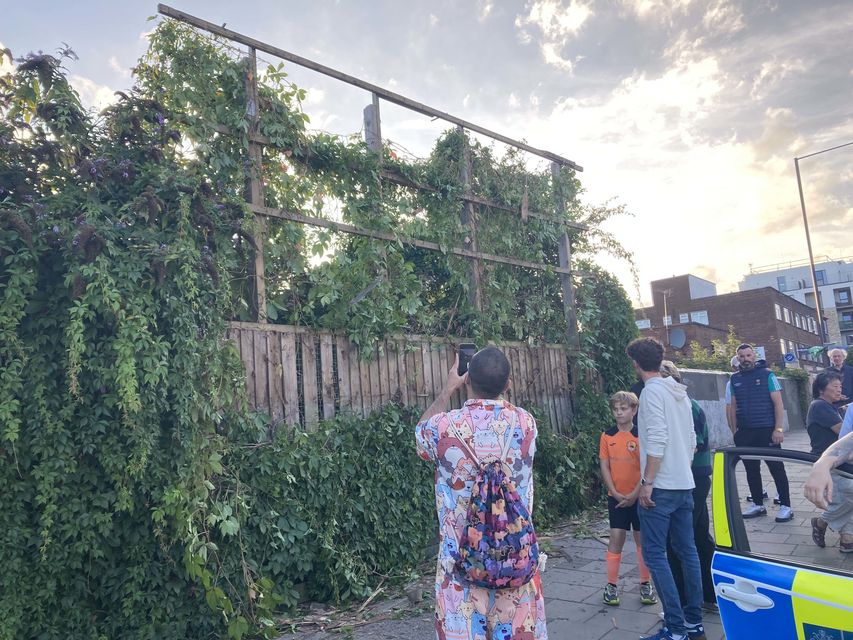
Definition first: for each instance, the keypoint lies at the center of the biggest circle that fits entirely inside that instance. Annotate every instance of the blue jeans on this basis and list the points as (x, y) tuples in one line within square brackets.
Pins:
[(672, 517)]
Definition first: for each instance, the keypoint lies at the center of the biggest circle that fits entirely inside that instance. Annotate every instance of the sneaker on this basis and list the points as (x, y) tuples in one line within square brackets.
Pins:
[(696, 631), (662, 634), (776, 500), (785, 514), (611, 595), (647, 593), (763, 495), (845, 547), (754, 511)]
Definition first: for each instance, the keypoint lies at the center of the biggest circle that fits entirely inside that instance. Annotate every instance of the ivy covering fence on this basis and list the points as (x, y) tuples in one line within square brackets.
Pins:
[(141, 498)]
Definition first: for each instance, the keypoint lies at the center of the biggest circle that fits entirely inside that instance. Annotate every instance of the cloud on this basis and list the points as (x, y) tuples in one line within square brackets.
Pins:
[(557, 24), (723, 17), (513, 102), (115, 66), (433, 19), (484, 9), (5, 65), (93, 95)]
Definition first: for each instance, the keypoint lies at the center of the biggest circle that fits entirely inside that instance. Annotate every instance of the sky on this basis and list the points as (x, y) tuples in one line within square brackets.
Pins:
[(687, 112)]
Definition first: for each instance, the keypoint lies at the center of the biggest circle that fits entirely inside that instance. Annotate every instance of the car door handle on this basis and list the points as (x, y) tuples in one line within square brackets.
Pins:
[(744, 595)]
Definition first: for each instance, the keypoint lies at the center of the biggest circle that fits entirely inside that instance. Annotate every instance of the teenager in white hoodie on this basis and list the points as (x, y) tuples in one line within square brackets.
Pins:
[(667, 442)]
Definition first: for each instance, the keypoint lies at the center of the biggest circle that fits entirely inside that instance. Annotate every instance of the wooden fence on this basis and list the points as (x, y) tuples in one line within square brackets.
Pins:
[(300, 376)]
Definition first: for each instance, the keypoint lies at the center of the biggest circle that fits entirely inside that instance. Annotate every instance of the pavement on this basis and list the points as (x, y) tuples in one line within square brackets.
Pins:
[(575, 575)]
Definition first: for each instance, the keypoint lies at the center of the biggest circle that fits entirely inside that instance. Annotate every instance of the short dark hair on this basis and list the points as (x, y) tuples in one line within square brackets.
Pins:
[(744, 345), (821, 382), (646, 352), (488, 372)]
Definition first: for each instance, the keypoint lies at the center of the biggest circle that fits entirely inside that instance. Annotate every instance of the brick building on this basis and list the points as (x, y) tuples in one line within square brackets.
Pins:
[(763, 317)]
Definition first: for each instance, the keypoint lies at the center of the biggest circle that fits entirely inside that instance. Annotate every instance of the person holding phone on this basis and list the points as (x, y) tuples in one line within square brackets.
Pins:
[(486, 425)]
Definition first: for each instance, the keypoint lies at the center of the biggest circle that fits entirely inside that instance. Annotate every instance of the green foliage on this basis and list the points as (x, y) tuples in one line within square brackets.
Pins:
[(717, 358), (849, 358), (140, 498)]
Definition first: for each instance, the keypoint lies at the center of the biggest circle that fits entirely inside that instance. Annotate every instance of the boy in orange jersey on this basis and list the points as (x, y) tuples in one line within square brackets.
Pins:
[(619, 458)]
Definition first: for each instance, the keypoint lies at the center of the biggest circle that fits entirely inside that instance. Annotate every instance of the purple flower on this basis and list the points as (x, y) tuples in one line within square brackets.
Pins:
[(56, 228), (160, 119)]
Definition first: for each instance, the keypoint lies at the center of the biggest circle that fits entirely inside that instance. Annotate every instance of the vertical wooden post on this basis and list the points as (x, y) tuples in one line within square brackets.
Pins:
[(254, 193), (468, 218), (564, 249), (373, 126)]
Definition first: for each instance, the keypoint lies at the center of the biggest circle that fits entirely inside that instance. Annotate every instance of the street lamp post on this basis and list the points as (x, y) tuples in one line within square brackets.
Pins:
[(818, 311)]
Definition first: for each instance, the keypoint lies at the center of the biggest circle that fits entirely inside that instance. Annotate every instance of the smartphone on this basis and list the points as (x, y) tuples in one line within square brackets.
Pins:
[(466, 352)]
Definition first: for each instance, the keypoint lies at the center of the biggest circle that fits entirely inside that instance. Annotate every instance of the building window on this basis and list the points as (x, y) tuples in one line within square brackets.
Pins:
[(778, 311), (699, 317), (797, 320), (787, 313), (812, 326), (667, 321), (683, 318), (791, 347), (850, 338), (782, 346), (845, 320), (820, 276), (842, 296), (645, 323), (780, 283)]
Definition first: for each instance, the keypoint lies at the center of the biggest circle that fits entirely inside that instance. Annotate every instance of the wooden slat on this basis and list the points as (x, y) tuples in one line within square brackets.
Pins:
[(402, 372), (309, 380), (366, 391), (342, 347), (375, 379), (328, 375), (425, 390), (393, 370), (247, 351), (356, 393), (534, 381), (274, 376), (290, 381), (514, 396), (565, 392), (384, 371), (414, 374), (524, 376), (439, 370), (553, 403)]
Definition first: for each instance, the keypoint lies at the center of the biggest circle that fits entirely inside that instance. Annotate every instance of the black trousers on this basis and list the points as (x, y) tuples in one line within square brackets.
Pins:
[(702, 538), (762, 437)]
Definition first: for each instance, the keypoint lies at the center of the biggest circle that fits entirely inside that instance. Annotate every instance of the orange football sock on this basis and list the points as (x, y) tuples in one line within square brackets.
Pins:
[(641, 565), (613, 560)]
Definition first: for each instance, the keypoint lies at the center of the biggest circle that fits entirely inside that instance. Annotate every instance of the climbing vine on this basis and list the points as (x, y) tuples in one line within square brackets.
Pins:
[(141, 497)]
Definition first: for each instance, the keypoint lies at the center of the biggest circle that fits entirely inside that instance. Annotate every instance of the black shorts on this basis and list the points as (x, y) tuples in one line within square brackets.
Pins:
[(623, 517)]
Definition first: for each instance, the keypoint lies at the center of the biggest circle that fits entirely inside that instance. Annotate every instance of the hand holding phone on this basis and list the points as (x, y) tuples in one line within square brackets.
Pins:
[(466, 351)]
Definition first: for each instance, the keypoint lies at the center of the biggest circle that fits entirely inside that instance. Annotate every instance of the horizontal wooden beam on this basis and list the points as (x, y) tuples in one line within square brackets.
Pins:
[(390, 96), (396, 178), (390, 237)]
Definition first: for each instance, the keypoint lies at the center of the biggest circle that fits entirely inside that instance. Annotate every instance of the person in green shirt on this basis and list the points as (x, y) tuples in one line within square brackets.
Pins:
[(701, 468)]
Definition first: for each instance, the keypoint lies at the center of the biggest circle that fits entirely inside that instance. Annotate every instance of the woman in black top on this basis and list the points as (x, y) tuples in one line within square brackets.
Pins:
[(823, 421)]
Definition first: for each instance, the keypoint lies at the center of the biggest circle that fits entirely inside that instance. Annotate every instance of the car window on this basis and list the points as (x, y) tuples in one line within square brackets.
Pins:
[(792, 541)]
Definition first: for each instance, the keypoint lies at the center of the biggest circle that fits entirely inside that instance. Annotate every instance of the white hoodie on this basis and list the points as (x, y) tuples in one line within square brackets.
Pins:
[(665, 423)]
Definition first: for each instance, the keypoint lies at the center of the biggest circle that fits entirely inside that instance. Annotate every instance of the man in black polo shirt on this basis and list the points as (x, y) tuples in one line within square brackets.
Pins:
[(759, 415)]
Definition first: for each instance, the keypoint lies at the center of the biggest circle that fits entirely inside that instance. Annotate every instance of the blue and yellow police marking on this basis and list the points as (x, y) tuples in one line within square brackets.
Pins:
[(718, 502), (806, 604)]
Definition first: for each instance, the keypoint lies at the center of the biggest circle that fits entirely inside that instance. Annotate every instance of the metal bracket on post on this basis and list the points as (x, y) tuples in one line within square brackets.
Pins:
[(468, 217), (564, 248), (254, 193)]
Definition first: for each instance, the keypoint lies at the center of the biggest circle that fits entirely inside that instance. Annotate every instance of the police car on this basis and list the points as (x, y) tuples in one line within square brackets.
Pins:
[(771, 596)]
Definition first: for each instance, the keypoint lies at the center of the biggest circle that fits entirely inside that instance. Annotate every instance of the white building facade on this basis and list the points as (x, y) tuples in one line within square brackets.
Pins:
[(835, 287)]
